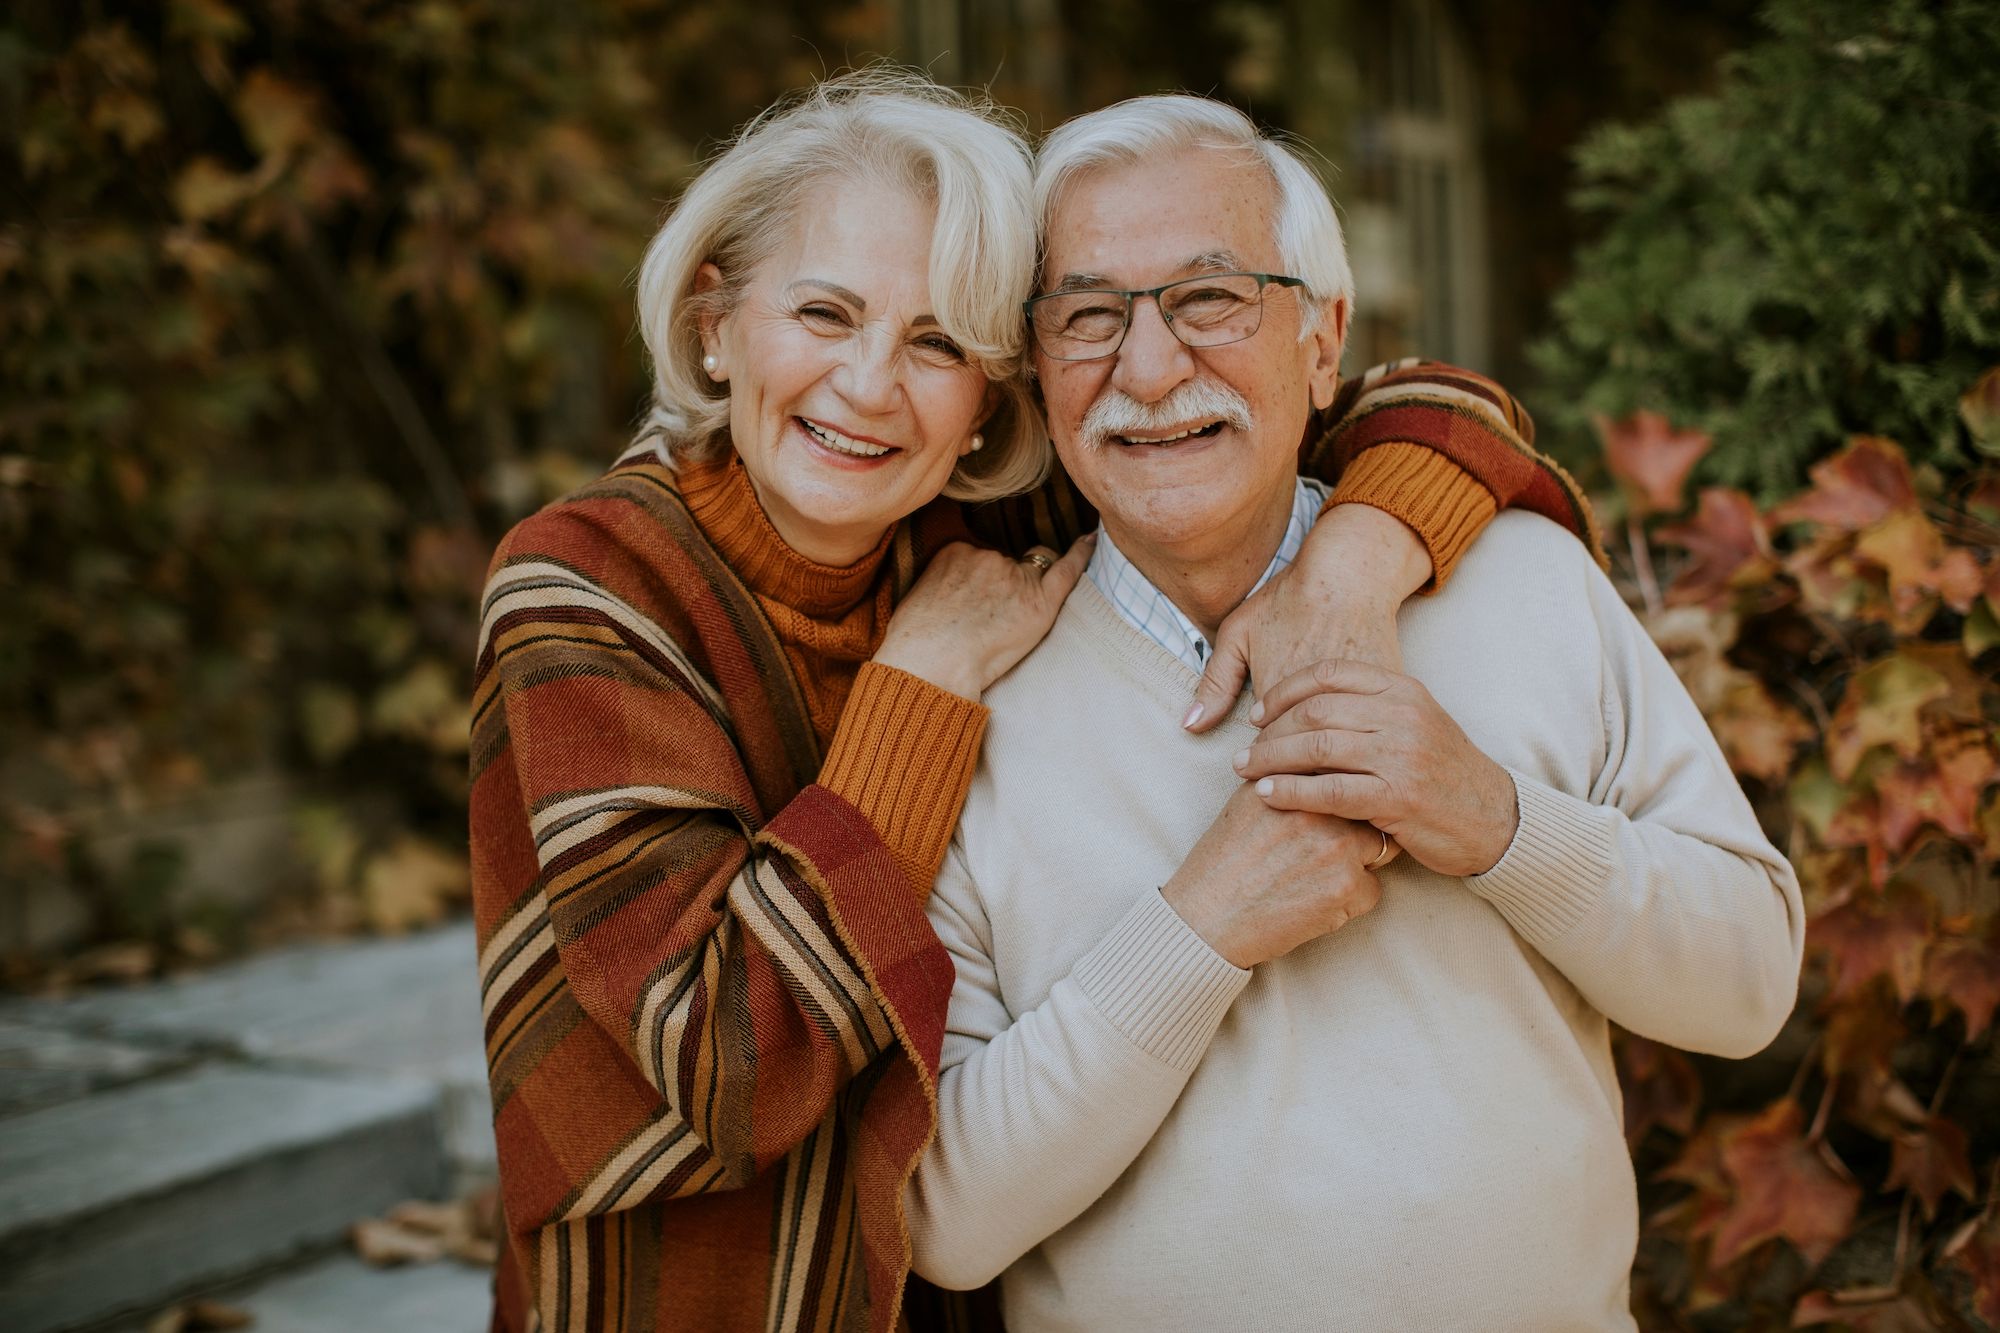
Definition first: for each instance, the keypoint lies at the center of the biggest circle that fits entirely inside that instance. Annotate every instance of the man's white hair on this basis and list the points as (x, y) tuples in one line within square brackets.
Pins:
[(1309, 241)]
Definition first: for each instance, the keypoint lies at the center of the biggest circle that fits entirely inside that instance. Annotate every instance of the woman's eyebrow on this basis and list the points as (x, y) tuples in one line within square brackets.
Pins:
[(852, 298), (832, 289)]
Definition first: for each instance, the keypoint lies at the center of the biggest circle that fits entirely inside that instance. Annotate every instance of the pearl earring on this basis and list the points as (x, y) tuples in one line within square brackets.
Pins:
[(978, 442), (709, 363)]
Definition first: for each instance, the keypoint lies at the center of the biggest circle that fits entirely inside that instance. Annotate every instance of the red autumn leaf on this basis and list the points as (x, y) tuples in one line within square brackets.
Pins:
[(1912, 553), (1729, 540), (1869, 938), (1758, 734), (1931, 1160), (1785, 1187), (1975, 1251), (1942, 788), (1882, 706), (1650, 459), (1661, 1088), (1967, 974), (1860, 1035), (1856, 488)]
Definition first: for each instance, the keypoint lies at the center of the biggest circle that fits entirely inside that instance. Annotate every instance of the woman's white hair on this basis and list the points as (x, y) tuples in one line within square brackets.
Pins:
[(1309, 240), (886, 127)]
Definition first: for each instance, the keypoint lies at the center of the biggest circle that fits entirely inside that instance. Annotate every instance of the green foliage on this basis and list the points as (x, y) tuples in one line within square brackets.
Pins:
[(1810, 252), (300, 305)]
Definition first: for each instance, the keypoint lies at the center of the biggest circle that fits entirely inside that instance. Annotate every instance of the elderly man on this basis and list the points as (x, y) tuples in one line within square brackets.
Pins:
[(1191, 1079)]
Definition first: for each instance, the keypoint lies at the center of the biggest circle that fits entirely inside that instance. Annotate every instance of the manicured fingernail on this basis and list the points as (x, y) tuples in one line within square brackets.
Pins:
[(1242, 759), (1193, 716), (1257, 711), (1265, 786)]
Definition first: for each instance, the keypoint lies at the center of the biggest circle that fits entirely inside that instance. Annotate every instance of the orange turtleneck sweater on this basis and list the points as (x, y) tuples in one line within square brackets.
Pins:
[(899, 749)]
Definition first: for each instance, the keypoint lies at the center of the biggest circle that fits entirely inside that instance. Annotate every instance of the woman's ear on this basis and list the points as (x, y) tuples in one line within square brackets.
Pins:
[(987, 407), (708, 318)]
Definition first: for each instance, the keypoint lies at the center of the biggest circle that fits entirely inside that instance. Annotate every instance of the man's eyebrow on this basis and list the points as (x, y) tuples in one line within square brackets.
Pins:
[(1081, 282), (1213, 261)]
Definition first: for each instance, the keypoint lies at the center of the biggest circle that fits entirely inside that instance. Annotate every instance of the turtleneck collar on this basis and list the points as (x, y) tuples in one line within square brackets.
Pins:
[(724, 503)]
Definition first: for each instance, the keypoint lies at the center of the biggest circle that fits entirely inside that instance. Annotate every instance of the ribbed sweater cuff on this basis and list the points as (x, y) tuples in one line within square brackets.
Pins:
[(1557, 866), (1446, 505), (903, 755), (1160, 983)]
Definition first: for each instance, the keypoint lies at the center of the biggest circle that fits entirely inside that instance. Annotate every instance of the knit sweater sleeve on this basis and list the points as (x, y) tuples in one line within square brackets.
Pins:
[(1655, 893), (1441, 448), (1023, 1143), (676, 989), (903, 755)]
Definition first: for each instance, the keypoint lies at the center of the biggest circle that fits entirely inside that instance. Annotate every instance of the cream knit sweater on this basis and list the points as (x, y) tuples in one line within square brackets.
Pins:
[(1411, 1124)]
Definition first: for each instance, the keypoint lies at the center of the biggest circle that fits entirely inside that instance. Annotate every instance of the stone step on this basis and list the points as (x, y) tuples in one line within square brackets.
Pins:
[(398, 1007), (340, 1294), (122, 1200)]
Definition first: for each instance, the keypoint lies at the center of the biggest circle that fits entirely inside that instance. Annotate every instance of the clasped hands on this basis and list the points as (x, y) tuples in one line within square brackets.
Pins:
[(1348, 745)]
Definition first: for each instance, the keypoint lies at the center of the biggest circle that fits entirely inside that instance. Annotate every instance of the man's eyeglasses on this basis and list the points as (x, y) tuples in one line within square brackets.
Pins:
[(1208, 311)]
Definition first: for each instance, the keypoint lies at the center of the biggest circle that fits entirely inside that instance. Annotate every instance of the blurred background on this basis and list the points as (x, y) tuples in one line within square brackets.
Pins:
[(303, 303)]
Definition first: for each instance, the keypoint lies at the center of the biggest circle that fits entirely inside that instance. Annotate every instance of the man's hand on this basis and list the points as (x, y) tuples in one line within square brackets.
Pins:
[(1349, 739), (1263, 881), (1339, 599)]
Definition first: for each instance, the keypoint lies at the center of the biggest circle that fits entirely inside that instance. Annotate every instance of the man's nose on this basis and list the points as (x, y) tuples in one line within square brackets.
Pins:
[(1152, 362), (870, 376)]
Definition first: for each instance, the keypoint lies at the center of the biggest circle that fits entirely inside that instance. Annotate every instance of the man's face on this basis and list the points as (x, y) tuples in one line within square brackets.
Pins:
[(1202, 443)]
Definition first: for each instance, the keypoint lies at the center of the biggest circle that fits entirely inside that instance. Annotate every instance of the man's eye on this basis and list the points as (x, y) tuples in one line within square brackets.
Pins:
[(1092, 315)]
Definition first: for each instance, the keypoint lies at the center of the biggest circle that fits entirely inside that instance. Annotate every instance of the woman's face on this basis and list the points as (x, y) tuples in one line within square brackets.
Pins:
[(848, 404)]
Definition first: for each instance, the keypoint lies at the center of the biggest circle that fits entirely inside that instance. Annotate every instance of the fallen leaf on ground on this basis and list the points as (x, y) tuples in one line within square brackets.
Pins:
[(1651, 459), (386, 1244), (1856, 488), (1931, 1160), (200, 1317), (421, 1231), (1967, 974), (1730, 544), (1785, 1187)]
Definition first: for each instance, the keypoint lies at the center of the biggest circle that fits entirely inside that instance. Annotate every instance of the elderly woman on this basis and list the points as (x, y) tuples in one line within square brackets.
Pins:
[(727, 712)]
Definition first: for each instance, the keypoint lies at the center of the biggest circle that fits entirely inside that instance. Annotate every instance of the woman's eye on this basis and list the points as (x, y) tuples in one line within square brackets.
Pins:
[(943, 347), (821, 314)]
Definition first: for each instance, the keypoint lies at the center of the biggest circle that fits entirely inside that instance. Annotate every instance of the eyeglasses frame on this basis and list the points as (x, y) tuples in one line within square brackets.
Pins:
[(1131, 297)]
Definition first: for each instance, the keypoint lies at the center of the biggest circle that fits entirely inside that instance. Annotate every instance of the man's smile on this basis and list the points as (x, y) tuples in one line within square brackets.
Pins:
[(1202, 432)]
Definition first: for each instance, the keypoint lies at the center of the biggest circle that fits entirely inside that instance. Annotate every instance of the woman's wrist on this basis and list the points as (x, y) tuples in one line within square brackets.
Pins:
[(942, 669), (1367, 553)]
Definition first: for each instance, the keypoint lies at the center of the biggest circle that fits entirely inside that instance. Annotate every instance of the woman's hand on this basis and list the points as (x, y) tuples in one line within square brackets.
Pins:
[(1338, 600), (975, 613)]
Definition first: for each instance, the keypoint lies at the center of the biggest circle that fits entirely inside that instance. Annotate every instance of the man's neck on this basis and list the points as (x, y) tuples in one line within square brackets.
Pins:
[(1208, 576)]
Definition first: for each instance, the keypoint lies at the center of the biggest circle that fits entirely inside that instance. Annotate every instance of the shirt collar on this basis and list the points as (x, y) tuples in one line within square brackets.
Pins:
[(1147, 609)]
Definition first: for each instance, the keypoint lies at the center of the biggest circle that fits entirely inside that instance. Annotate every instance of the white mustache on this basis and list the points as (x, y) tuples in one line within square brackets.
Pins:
[(1118, 413)]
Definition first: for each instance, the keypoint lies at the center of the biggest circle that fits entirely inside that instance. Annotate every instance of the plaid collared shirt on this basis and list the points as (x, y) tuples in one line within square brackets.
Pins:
[(1148, 609)]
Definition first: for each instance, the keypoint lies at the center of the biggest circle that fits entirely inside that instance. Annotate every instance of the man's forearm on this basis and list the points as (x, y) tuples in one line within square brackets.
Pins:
[(1038, 1118), (1690, 939)]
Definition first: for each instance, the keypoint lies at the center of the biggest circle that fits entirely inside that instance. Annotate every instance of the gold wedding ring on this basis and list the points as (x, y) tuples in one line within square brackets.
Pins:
[(1381, 857), (1039, 561)]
